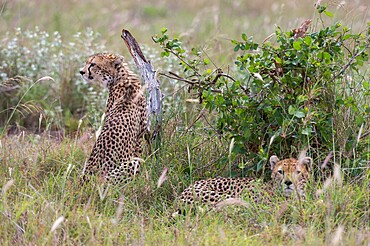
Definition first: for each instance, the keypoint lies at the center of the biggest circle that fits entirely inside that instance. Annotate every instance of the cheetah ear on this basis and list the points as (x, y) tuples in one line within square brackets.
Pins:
[(307, 161), (118, 61), (273, 161)]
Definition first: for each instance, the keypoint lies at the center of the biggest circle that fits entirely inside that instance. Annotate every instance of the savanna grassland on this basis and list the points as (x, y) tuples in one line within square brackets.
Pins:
[(49, 118)]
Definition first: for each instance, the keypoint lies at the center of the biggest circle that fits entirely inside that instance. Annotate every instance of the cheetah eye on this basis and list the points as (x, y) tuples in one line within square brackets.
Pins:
[(280, 171), (92, 64), (298, 172)]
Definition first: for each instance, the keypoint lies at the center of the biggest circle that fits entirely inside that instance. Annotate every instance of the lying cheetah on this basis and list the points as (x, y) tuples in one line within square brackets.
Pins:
[(290, 175)]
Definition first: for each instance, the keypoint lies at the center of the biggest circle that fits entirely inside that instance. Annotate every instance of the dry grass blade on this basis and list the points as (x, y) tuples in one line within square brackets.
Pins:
[(137, 162), (272, 140), (97, 133), (328, 182), (231, 147), (337, 174), (138, 159), (7, 186), (360, 133), (192, 100), (189, 156), (337, 237), (163, 177), (327, 159), (222, 235), (88, 221), (103, 191), (258, 76), (45, 78), (57, 223), (302, 155), (6, 209), (119, 209), (282, 210)]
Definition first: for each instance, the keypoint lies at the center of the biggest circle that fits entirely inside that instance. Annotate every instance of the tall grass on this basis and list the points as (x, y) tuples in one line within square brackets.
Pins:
[(43, 202)]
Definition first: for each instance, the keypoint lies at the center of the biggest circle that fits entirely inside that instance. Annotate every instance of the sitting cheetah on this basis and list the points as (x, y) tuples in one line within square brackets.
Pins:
[(290, 175), (115, 153)]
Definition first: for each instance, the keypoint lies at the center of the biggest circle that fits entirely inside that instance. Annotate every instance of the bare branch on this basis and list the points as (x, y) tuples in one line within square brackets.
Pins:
[(172, 75), (154, 107)]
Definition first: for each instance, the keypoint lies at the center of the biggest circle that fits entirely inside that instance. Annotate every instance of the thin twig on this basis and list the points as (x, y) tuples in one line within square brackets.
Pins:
[(352, 59), (177, 77), (195, 121)]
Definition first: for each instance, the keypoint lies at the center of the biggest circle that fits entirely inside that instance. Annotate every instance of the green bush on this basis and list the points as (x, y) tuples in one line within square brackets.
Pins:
[(282, 96)]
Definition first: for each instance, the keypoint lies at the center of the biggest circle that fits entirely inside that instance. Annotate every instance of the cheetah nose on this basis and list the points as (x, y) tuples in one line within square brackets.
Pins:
[(288, 183), (82, 72)]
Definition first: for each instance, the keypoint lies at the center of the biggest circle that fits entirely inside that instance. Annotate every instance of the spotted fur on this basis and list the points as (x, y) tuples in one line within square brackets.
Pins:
[(115, 154), (289, 175)]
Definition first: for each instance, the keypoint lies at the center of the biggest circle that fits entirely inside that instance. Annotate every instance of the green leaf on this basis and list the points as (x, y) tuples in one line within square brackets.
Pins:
[(247, 133), (278, 60), (321, 8), (299, 114), (308, 40), (244, 37), (291, 110), (297, 45), (327, 57), (366, 85), (206, 61), (302, 98), (330, 14), (165, 53), (254, 46), (360, 120), (347, 36), (307, 131)]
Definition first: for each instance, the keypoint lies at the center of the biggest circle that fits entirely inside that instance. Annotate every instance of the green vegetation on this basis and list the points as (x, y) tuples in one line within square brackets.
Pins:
[(259, 96), (286, 95)]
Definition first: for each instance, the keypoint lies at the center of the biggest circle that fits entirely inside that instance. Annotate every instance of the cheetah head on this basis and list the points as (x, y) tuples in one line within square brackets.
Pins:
[(290, 174), (101, 68)]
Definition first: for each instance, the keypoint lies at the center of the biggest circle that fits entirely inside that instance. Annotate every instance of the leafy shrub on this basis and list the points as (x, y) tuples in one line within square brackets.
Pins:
[(297, 92)]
